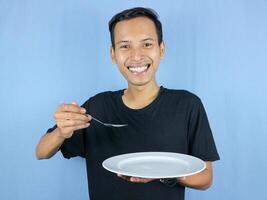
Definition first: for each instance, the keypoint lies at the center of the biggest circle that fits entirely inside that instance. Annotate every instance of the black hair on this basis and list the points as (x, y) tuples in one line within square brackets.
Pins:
[(133, 13)]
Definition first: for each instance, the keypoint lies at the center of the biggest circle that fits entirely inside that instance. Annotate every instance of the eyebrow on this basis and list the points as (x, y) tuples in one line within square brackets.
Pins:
[(127, 41), (123, 41), (147, 39)]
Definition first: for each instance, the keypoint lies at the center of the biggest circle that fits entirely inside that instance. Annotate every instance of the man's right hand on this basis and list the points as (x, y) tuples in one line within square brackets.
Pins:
[(69, 118)]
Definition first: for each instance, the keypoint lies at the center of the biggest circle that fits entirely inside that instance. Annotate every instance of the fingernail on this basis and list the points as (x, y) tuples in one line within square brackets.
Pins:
[(90, 117), (83, 110)]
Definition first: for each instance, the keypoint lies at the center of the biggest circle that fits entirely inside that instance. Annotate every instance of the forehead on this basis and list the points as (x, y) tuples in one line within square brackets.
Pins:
[(136, 28)]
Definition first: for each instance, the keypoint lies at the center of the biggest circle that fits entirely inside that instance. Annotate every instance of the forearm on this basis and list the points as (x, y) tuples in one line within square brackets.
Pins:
[(202, 180), (49, 145)]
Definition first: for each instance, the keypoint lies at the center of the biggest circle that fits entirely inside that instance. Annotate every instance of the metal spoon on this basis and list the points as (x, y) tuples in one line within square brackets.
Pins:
[(108, 124)]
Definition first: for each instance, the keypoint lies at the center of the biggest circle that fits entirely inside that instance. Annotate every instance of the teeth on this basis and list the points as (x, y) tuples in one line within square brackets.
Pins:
[(138, 69)]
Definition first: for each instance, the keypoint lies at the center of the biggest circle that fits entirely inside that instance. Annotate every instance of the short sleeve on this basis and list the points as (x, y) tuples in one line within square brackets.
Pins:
[(73, 146), (201, 141)]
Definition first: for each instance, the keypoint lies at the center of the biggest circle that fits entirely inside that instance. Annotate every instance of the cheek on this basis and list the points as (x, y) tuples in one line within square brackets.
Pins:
[(120, 59), (155, 56)]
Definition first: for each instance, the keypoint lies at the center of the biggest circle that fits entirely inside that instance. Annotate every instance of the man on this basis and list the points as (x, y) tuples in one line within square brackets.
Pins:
[(159, 119)]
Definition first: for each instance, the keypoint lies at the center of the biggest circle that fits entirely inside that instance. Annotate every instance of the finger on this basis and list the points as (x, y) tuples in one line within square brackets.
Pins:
[(181, 178), (74, 128), (71, 116), (70, 123), (71, 108), (81, 126), (140, 180), (89, 117), (127, 178), (135, 179)]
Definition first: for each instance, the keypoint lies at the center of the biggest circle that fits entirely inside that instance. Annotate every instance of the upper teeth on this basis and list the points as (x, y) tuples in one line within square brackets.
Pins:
[(138, 69)]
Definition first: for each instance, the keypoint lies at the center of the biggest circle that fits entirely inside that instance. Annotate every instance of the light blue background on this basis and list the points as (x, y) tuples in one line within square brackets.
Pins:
[(58, 51)]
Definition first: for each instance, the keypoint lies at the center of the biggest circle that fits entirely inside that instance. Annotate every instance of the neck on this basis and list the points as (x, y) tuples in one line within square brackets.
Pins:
[(137, 97)]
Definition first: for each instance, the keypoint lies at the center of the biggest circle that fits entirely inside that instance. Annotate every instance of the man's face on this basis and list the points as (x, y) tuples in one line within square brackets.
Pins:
[(137, 52)]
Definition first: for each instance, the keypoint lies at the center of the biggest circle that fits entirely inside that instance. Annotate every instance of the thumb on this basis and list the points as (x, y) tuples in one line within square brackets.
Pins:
[(181, 178)]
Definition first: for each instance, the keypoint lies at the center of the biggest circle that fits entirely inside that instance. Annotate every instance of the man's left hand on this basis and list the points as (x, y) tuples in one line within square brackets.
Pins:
[(135, 179)]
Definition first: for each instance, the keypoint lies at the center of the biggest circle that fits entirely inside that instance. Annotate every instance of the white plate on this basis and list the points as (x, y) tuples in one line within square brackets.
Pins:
[(154, 165)]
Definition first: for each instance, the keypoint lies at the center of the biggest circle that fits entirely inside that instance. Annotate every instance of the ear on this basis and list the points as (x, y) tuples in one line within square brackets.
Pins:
[(162, 49), (112, 55)]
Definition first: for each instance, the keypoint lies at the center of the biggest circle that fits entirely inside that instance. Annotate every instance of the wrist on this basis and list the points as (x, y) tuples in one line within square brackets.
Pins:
[(58, 134)]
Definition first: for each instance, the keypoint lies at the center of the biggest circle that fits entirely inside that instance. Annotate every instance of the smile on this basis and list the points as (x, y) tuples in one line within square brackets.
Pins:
[(138, 69)]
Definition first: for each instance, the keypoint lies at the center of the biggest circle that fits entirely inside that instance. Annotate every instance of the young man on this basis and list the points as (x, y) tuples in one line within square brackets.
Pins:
[(158, 119)]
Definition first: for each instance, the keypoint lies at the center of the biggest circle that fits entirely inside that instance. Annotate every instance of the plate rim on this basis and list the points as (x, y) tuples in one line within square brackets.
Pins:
[(154, 152)]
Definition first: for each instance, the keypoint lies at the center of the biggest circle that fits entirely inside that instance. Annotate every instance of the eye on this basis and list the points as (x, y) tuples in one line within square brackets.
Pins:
[(125, 46), (147, 45)]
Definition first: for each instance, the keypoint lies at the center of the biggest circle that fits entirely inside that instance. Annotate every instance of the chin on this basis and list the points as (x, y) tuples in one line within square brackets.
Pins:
[(138, 83)]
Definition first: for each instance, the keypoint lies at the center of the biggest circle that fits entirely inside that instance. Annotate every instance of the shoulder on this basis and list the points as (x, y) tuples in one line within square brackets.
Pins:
[(184, 96), (105, 95)]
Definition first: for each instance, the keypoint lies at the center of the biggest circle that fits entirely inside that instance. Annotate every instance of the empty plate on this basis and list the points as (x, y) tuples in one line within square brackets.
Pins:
[(154, 165)]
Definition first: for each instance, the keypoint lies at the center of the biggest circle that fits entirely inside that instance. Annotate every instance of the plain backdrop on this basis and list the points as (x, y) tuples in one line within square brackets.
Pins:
[(58, 51)]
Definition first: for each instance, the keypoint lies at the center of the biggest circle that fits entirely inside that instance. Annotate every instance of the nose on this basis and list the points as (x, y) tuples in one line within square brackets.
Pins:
[(136, 54)]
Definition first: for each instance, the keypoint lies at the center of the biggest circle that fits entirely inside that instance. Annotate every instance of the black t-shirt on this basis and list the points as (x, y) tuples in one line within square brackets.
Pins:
[(174, 122)]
